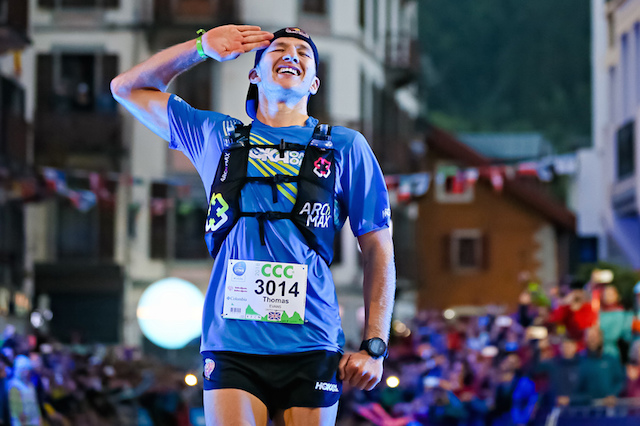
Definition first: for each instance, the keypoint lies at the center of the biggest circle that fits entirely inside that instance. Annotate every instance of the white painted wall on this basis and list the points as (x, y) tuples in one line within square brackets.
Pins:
[(269, 14), (547, 255), (587, 193), (343, 19)]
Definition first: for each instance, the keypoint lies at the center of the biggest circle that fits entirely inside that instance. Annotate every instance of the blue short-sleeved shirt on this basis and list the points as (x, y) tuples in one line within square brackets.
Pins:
[(360, 194)]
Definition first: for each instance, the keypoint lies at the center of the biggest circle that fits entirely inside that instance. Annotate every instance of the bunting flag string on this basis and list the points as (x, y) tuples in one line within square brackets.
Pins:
[(458, 179), (405, 187)]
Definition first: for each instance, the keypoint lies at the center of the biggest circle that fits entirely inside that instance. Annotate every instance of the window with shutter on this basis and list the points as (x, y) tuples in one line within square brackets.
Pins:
[(467, 250), (76, 82), (159, 210)]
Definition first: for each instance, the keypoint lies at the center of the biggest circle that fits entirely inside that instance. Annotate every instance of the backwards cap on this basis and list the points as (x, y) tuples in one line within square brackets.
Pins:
[(251, 105)]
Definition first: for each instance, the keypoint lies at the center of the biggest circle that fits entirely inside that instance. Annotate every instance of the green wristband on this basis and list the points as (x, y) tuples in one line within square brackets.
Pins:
[(200, 33)]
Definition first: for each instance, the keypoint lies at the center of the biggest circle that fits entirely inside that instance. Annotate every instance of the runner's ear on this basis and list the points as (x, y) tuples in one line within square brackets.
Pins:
[(254, 77), (314, 86)]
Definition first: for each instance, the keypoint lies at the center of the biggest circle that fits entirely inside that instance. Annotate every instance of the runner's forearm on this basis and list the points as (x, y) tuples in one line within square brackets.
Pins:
[(157, 72), (379, 283)]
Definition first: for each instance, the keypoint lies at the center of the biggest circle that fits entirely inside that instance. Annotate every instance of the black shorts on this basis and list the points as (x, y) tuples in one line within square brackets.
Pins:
[(306, 379)]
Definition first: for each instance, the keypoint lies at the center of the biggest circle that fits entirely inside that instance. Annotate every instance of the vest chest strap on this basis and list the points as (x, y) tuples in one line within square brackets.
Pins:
[(261, 217)]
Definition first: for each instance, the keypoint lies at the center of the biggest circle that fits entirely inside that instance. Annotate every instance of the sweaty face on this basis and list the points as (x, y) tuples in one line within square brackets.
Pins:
[(288, 64)]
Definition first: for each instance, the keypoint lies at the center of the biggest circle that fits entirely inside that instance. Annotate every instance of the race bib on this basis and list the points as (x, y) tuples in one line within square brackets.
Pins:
[(265, 291)]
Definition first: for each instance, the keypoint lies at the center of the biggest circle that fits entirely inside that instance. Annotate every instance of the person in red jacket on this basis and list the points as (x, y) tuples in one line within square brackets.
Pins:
[(575, 314)]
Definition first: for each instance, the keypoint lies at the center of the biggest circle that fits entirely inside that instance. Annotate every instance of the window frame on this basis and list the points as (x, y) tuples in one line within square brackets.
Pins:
[(456, 237)]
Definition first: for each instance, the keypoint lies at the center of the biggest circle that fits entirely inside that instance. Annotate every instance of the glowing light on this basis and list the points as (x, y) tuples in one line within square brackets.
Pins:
[(393, 381), (170, 313), (449, 314), (37, 320), (190, 380), (399, 327)]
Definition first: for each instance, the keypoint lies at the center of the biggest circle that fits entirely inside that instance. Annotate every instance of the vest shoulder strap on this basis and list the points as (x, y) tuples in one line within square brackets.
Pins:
[(239, 138), (322, 137)]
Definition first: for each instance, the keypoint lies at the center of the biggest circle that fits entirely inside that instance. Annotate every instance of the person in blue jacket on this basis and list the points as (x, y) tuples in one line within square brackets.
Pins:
[(515, 394), (278, 191)]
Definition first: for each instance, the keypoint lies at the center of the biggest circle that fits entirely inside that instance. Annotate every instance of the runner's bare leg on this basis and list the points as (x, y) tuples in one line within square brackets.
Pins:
[(233, 407), (304, 416)]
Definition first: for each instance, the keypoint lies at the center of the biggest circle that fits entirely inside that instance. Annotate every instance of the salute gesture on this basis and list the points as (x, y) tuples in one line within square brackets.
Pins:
[(230, 41)]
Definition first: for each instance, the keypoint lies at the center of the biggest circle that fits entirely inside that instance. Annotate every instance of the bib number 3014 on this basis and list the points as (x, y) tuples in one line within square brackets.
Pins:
[(265, 291)]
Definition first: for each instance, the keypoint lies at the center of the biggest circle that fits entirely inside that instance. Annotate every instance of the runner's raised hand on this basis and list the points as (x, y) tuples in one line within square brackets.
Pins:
[(230, 41)]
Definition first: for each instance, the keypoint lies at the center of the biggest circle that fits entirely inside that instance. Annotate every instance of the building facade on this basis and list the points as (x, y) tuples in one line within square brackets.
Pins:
[(484, 235), (146, 223), (16, 172), (616, 103)]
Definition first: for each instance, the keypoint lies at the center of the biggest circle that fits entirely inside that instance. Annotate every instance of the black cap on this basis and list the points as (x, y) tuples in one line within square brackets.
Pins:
[(251, 105)]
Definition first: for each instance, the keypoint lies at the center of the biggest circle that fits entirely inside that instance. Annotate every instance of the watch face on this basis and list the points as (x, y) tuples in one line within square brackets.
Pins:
[(377, 347)]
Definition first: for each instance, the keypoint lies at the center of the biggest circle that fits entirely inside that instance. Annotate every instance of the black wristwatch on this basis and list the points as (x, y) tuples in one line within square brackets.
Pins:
[(375, 347)]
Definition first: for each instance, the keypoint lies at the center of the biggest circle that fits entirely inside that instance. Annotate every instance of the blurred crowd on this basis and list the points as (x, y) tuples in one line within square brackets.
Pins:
[(574, 345), (43, 382)]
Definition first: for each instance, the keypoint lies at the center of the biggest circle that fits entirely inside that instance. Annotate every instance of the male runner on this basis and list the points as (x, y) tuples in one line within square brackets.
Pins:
[(278, 192)]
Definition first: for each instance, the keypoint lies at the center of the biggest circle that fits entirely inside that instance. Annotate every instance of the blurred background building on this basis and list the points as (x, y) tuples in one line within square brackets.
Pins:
[(616, 97), (16, 268)]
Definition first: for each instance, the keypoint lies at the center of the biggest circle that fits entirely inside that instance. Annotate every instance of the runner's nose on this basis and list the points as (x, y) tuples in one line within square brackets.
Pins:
[(291, 57)]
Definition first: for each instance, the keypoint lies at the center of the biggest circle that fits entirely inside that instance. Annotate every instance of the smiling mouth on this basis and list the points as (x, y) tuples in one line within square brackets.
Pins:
[(288, 70)]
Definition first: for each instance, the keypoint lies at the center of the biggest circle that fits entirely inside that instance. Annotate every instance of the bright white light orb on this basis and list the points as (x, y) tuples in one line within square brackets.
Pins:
[(393, 381), (37, 320), (190, 380), (170, 312), (449, 314)]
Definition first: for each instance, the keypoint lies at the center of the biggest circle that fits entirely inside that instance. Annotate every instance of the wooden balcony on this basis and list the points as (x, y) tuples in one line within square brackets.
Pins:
[(14, 18)]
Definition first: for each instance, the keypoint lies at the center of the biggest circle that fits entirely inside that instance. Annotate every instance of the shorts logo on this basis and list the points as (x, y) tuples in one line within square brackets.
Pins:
[(209, 365), (322, 167), (240, 268), (327, 387)]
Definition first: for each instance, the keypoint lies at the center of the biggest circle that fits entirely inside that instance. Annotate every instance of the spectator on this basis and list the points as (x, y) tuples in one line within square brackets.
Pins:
[(447, 409), (23, 400), (632, 389), (562, 372), (4, 397), (515, 395), (615, 322), (601, 375), (575, 315)]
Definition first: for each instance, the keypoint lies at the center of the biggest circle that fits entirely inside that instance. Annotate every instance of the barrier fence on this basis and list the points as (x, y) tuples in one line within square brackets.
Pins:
[(626, 412)]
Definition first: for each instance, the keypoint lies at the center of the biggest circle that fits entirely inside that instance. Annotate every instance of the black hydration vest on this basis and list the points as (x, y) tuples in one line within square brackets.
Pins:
[(313, 211)]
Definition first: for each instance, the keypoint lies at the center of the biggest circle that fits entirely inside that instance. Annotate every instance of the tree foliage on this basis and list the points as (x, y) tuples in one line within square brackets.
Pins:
[(508, 66)]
